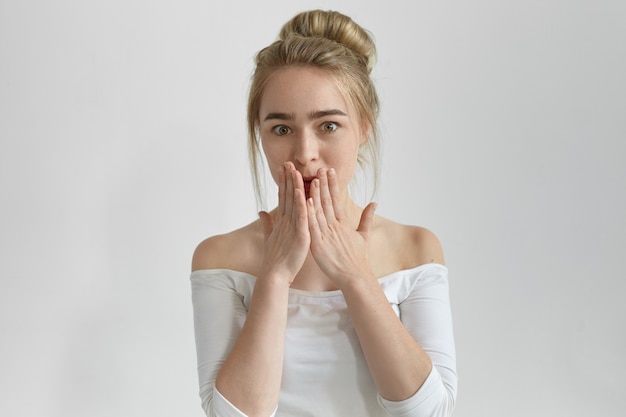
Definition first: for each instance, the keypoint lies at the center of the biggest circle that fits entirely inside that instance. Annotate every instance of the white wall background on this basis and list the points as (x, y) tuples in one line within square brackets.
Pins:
[(123, 145)]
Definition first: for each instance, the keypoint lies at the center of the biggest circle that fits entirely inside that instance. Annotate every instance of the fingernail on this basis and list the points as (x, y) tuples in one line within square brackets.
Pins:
[(331, 171)]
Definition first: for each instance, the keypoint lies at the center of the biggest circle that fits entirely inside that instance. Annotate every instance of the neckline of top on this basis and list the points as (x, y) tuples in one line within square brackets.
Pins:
[(324, 293)]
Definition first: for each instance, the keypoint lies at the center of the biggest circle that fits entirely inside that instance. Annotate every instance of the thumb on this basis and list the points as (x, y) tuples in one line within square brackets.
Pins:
[(367, 218), (267, 222)]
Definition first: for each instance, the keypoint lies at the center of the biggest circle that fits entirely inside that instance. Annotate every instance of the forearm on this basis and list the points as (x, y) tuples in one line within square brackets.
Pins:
[(250, 378), (397, 363)]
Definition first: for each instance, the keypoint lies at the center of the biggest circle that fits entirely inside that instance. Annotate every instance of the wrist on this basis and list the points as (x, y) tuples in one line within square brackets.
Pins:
[(275, 279), (358, 281), (273, 289)]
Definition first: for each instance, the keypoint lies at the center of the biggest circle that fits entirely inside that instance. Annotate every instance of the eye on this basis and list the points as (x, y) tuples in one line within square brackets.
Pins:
[(281, 130), (329, 127)]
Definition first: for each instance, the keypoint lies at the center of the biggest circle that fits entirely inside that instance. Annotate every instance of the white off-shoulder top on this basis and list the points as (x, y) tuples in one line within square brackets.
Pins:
[(325, 373)]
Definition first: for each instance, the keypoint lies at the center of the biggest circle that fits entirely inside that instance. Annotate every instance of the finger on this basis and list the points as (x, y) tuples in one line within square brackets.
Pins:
[(267, 222), (326, 199), (289, 168), (335, 194), (281, 189), (367, 218), (314, 229), (320, 217), (299, 196)]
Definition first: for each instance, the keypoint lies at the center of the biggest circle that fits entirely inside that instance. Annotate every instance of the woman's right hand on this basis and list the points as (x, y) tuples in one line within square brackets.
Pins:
[(287, 238)]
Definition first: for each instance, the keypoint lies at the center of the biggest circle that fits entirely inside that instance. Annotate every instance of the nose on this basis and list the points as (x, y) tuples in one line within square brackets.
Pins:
[(306, 149)]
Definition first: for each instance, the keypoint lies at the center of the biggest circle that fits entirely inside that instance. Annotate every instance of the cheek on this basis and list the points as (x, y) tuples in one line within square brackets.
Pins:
[(273, 158), (346, 166), (268, 152)]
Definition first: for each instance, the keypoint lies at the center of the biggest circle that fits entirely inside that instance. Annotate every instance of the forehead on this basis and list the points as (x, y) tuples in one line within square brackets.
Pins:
[(302, 89)]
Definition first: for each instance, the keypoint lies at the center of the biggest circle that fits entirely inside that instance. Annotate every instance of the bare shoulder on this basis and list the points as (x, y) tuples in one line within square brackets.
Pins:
[(424, 244), (407, 246), (237, 250)]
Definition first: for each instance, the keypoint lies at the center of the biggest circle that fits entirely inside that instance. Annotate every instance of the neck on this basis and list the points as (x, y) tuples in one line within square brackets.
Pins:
[(353, 212)]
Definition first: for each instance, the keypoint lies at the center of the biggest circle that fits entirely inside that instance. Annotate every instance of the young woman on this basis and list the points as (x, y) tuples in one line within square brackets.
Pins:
[(321, 307)]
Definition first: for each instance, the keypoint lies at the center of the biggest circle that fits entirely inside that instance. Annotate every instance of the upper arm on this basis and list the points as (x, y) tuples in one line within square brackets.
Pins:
[(219, 313), (427, 316)]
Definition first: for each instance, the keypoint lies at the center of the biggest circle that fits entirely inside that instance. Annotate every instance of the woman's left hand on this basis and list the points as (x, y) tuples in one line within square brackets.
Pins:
[(339, 250)]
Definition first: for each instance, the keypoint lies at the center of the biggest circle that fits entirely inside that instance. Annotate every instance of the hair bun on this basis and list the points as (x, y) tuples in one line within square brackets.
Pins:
[(334, 26)]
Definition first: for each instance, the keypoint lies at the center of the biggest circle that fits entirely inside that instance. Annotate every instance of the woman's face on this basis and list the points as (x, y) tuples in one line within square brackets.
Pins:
[(305, 119)]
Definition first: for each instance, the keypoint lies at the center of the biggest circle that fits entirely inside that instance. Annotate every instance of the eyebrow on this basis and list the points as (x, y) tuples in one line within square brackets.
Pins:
[(312, 116)]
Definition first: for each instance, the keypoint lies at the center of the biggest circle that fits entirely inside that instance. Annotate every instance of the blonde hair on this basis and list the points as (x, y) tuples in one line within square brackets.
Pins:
[(335, 44)]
